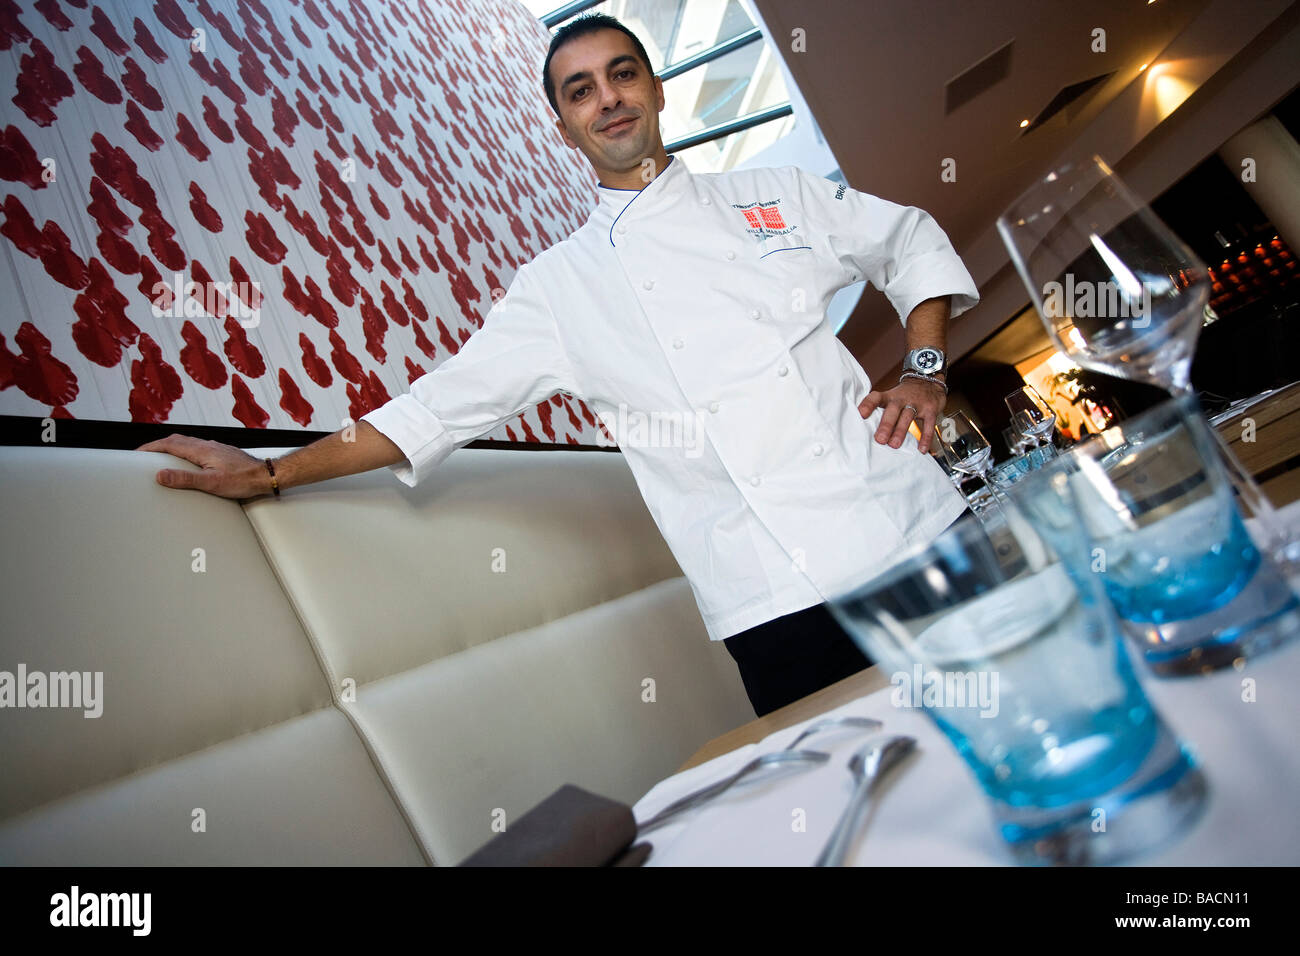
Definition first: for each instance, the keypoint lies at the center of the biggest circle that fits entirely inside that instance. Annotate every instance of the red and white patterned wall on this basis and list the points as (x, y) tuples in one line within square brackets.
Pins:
[(373, 168)]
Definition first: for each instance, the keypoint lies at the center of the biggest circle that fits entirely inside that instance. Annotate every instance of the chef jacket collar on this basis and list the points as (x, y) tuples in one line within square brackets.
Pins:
[(616, 203)]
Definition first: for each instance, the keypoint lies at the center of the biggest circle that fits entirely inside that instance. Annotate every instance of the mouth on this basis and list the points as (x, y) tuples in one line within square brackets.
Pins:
[(620, 125)]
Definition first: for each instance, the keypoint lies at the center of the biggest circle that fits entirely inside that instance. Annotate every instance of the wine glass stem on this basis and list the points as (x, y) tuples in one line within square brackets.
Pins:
[(1242, 480), (988, 482)]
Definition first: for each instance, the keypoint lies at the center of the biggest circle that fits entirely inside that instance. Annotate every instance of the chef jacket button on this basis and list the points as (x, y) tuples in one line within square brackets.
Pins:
[(731, 253), (755, 481), (622, 229), (713, 406), (818, 449), (648, 284), (706, 200), (678, 343), (754, 313), (782, 370)]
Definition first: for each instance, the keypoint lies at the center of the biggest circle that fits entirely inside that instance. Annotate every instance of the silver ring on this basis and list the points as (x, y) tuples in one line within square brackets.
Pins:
[(912, 407)]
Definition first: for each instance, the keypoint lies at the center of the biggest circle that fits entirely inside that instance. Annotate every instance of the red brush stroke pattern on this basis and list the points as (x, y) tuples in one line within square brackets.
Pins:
[(242, 353), (89, 72), (291, 400), (204, 214), (18, 161), (41, 84), (155, 386), (188, 137), (200, 362), (102, 27), (422, 190), (36, 371)]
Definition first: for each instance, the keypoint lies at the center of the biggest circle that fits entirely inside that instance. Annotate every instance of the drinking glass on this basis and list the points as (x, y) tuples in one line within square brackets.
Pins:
[(955, 476), (1030, 415), (1022, 666), (964, 445), (1119, 293), (1146, 508), (1009, 472), (1016, 442)]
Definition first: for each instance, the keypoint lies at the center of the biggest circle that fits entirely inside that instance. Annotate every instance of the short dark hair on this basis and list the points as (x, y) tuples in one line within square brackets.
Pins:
[(589, 23)]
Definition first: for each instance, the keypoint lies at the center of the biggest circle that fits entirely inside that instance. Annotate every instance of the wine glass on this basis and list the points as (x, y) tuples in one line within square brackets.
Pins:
[(1119, 293), (1014, 440), (964, 446), (1030, 415), (955, 476)]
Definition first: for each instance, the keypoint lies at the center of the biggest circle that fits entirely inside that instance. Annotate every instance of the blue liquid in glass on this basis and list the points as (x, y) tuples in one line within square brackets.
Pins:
[(1088, 754), (1068, 756), (1182, 567)]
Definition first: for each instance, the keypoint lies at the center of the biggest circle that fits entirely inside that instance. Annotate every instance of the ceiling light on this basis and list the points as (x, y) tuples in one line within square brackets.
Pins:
[(1024, 123)]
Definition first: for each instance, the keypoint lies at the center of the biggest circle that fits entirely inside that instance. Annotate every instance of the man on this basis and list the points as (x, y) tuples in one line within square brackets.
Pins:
[(693, 308)]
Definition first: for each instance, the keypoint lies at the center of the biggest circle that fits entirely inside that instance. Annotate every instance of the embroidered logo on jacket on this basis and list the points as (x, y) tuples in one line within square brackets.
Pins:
[(763, 219), (771, 232)]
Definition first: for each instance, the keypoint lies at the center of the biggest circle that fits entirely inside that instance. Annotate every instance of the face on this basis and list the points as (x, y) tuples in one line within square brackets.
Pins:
[(609, 102)]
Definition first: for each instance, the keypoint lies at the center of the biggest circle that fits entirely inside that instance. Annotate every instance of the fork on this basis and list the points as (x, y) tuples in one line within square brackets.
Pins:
[(789, 757), (867, 723)]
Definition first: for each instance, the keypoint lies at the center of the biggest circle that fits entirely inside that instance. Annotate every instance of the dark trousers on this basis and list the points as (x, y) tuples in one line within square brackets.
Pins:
[(789, 657)]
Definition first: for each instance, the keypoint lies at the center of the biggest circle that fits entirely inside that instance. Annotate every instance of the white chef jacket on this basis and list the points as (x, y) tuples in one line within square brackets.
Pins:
[(690, 315)]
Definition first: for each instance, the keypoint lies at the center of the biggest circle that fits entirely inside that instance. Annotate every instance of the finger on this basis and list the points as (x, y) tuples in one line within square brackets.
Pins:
[(887, 421), (925, 421), (159, 444), (932, 419), (934, 416), (179, 478), (193, 450), (174, 478), (905, 416), (178, 445), (871, 403)]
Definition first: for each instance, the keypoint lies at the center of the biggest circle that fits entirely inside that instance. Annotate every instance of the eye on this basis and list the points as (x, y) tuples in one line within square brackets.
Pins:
[(624, 73)]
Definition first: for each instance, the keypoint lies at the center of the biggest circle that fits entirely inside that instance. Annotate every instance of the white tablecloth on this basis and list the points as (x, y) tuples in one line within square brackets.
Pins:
[(932, 811)]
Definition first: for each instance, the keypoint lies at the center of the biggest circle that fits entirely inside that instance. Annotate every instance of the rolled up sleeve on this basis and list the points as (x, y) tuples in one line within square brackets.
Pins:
[(513, 362), (898, 249)]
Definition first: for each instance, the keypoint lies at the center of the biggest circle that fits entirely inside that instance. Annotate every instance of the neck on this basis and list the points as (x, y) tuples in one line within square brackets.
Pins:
[(636, 177)]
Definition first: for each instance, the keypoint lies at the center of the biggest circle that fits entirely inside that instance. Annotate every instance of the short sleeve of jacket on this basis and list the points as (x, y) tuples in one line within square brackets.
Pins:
[(898, 249), (514, 361)]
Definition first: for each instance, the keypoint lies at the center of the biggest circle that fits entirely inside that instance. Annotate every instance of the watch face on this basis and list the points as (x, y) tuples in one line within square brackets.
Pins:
[(927, 360)]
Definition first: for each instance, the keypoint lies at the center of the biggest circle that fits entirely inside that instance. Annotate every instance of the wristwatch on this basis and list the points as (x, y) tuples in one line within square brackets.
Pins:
[(927, 361)]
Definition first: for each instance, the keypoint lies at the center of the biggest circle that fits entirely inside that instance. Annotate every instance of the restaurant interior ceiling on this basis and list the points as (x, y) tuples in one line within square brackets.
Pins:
[(898, 87)]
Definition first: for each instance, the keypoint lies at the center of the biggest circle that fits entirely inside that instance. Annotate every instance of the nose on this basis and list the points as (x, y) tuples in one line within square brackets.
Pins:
[(609, 97)]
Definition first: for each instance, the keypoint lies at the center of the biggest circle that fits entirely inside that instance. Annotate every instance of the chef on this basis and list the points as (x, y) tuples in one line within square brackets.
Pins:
[(688, 312)]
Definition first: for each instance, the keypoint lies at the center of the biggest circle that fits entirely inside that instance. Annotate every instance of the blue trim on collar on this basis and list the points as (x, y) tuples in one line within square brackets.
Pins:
[(671, 160)]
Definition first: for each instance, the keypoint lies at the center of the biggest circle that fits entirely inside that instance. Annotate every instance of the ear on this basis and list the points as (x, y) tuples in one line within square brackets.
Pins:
[(659, 94), (564, 133)]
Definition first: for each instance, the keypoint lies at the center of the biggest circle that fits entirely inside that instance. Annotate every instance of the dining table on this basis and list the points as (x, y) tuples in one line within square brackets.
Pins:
[(1241, 723)]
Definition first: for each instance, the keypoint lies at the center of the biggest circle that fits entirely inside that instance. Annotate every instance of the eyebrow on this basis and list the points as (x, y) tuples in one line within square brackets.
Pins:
[(586, 74)]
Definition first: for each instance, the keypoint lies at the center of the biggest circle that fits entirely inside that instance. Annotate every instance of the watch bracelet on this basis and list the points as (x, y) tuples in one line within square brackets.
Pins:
[(925, 378)]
